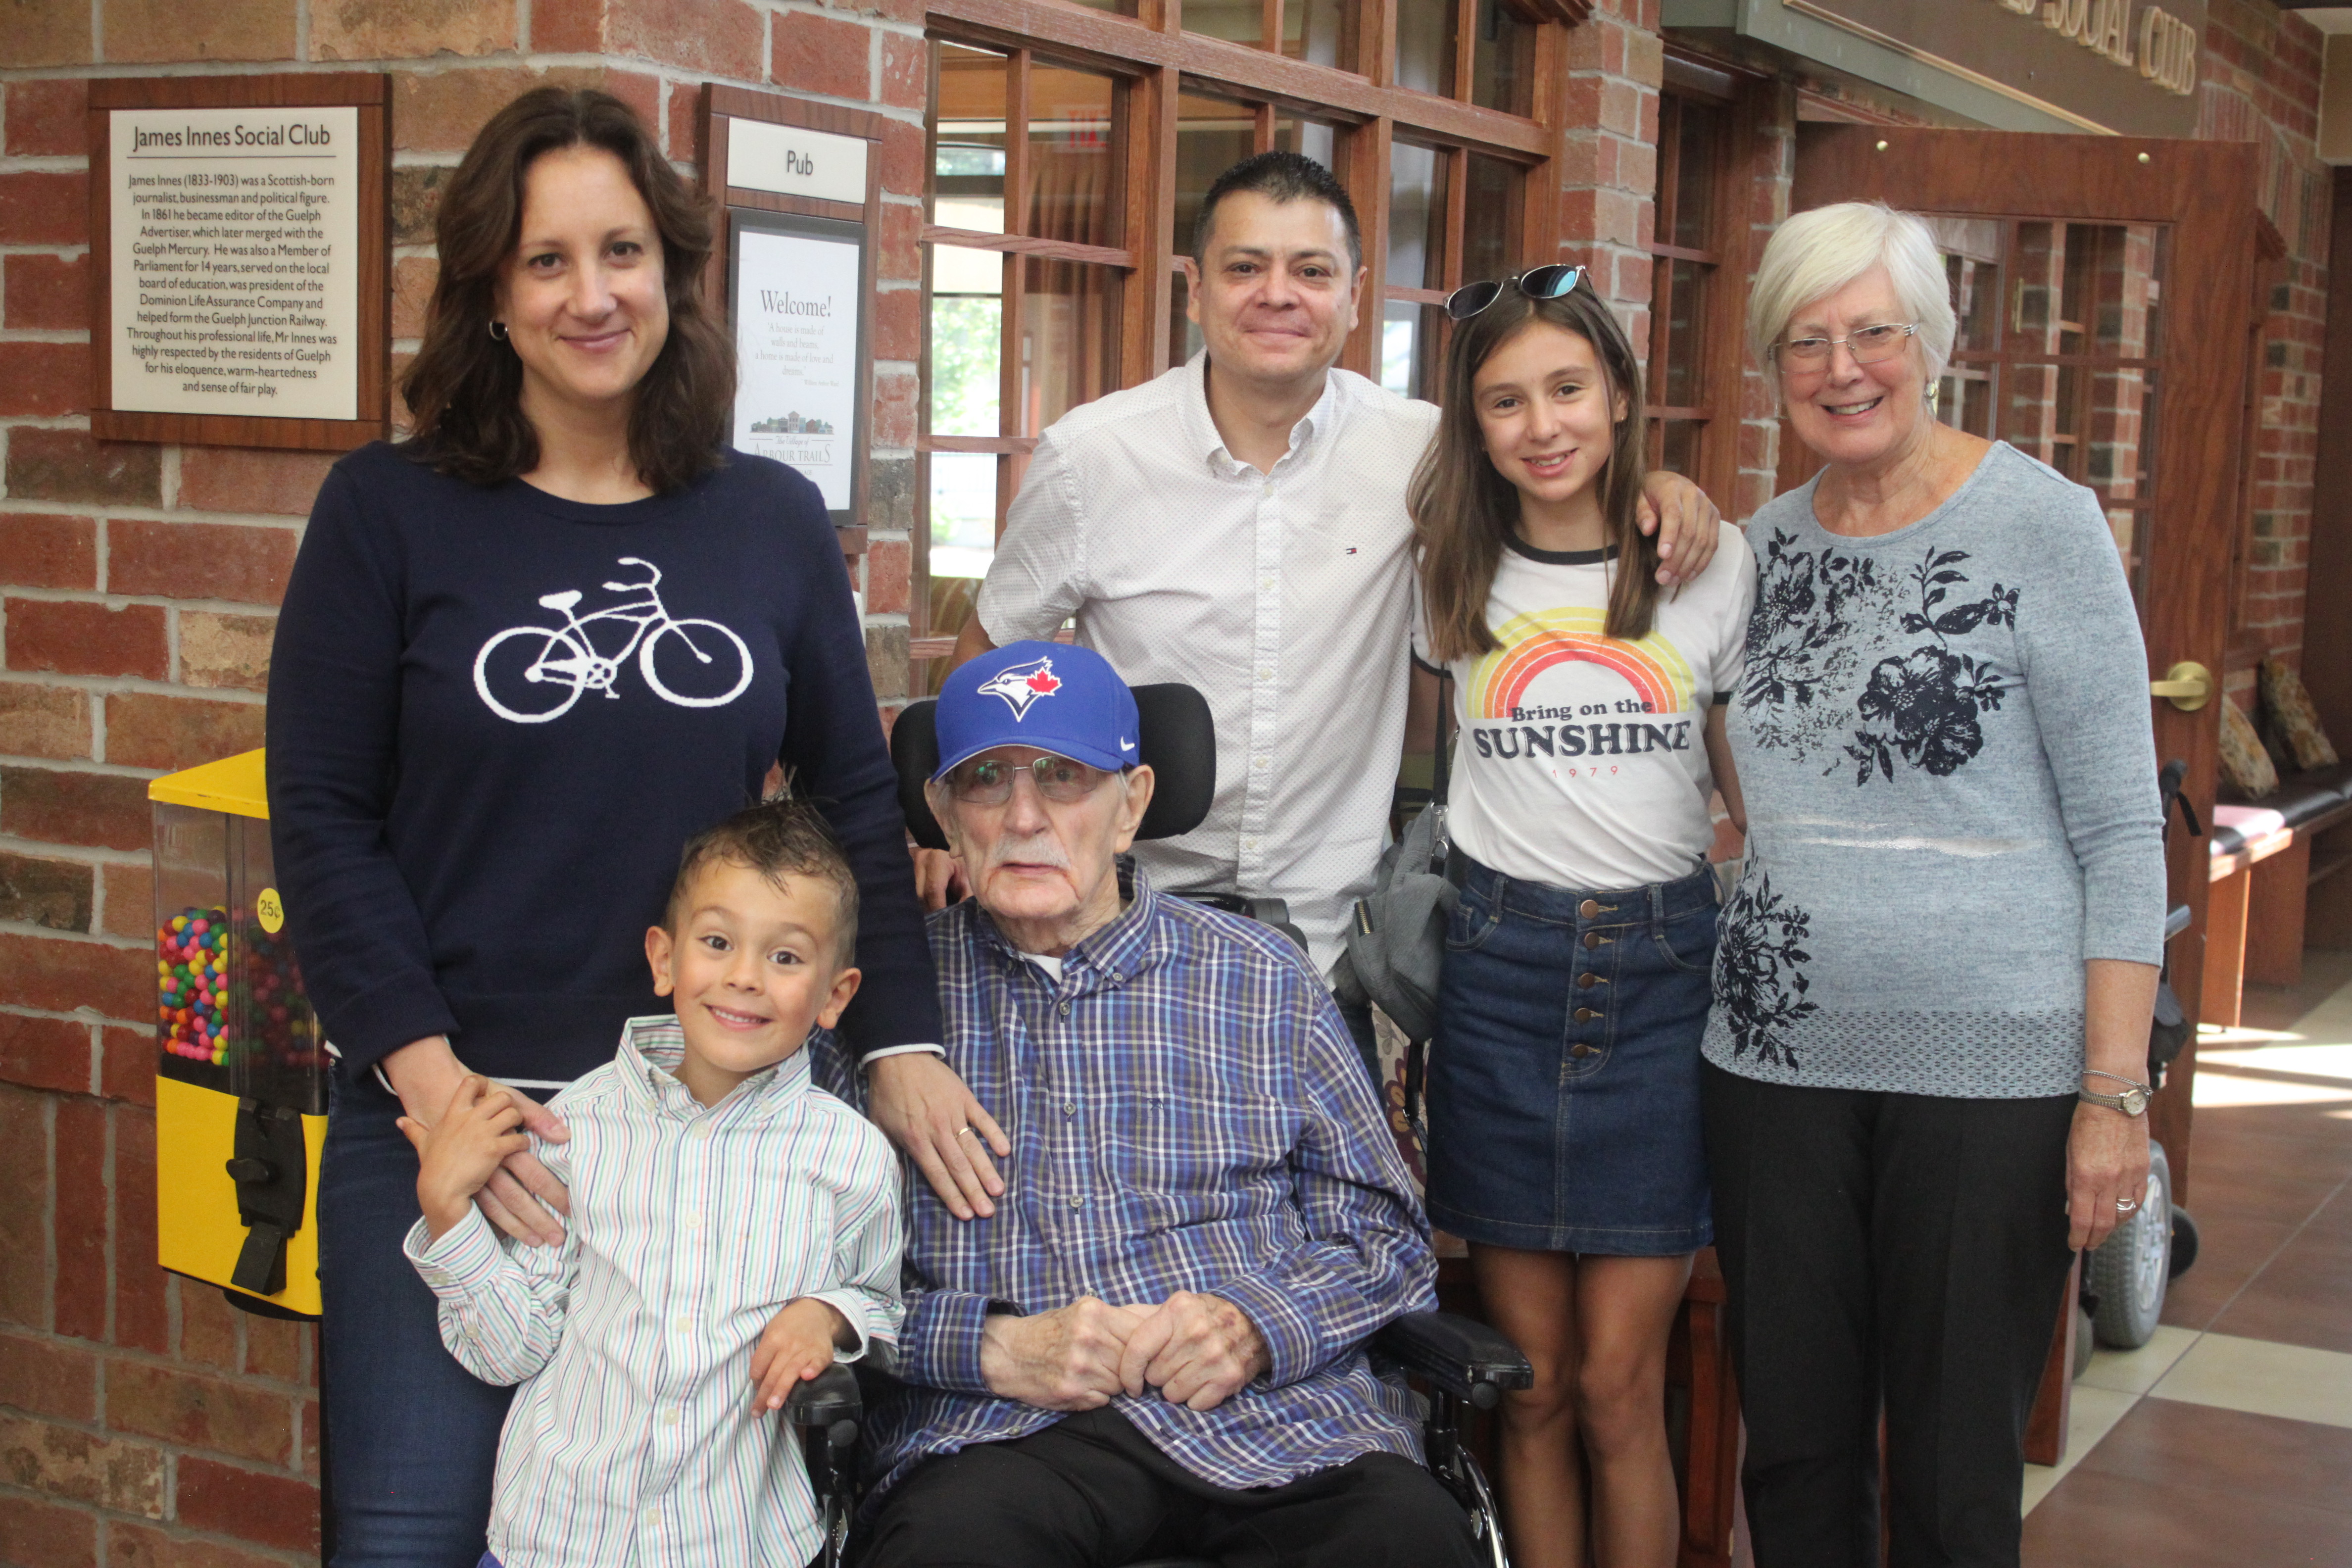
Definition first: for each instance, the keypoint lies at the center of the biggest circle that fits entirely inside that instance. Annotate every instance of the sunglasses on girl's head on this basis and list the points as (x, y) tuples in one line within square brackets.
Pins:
[(1552, 282)]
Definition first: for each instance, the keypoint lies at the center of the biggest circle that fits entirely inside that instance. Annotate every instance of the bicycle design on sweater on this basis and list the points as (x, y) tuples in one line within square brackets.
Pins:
[(544, 670)]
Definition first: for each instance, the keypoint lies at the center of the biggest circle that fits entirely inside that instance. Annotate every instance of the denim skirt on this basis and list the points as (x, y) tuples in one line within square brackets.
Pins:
[(1564, 1083)]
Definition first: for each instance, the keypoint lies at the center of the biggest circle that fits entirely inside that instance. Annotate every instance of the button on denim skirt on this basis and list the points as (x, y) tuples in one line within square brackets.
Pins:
[(1564, 1083)]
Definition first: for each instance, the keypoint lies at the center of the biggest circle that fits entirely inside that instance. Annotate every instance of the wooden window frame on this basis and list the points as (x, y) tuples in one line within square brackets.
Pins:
[(1155, 62)]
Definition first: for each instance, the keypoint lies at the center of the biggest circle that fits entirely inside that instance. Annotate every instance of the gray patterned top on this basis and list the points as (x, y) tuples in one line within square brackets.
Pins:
[(1943, 736)]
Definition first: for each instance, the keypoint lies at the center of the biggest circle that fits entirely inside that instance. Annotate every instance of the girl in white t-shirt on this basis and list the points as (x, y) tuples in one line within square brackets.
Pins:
[(1564, 1141)]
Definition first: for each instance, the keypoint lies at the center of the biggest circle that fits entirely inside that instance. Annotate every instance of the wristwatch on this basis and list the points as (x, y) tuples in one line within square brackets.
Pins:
[(2132, 1101)]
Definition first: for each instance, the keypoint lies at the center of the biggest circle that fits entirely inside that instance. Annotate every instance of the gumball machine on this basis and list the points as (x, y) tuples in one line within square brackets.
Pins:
[(240, 1067)]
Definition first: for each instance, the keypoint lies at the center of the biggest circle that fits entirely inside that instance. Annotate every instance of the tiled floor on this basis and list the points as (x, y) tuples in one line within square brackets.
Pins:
[(2228, 1440)]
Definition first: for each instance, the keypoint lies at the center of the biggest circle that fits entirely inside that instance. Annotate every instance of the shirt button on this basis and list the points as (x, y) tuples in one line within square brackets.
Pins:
[(1071, 1109), (685, 1324), (1265, 674), (1267, 583), (1077, 1203), (1066, 1009), (669, 1416), (702, 1130), (693, 1219), (1259, 762)]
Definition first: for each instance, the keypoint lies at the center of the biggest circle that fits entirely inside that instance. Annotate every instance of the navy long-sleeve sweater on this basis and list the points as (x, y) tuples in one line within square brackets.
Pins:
[(496, 717)]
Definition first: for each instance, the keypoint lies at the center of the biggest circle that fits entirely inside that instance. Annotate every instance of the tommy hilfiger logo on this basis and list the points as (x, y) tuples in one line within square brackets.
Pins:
[(1022, 685)]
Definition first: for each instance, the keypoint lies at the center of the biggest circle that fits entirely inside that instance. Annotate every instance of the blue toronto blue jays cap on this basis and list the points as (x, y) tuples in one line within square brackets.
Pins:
[(1056, 696)]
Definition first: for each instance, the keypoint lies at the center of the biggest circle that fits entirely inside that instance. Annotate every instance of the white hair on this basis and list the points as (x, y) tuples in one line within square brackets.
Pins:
[(1814, 254)]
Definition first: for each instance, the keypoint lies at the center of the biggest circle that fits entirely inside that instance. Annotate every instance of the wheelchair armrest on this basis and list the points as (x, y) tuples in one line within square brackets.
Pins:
[(829, 1397), (1460, 1355)]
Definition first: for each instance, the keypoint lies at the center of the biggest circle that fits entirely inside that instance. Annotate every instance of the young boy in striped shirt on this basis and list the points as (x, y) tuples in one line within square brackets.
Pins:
[(733, 1229)]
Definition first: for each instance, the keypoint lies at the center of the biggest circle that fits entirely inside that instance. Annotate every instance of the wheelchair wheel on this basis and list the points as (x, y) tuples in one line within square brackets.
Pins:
[(2184, 1241), (2128, 1273)]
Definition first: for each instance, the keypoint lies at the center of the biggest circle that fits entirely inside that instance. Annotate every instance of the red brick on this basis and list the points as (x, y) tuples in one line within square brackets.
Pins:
[(59, 973), (904, 152), (47, 293), (24, 1223), (199, 560), (127, 1064), (242, 479), (126, 900), (42, 381), (274, 1511), (149, 731), (820, 55), (902, 233), (143, 1546), (894, 410), (142, 1308), (685, 107), (56, 805), (44, 720), (48, 1377), (568, 27), (72, 466), (81, 1229), (371, 30), (175, 30), (899, 324), (59, 894), (720, 37), (37, 550), (640, 93), (441, 112), (208, 1330), (65, 637), (198, 1409), (223, 652), (905, 71), (45, 1053), (82, 1467), (49, 119), (43, 1535), (44, 207), (889, 564), (274, 1348)]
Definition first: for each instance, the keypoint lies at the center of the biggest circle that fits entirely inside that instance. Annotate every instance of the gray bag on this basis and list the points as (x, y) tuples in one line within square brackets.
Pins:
[(1396, 937)]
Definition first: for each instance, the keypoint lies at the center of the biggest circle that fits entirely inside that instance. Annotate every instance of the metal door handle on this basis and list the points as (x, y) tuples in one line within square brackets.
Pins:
[(2188, 686)]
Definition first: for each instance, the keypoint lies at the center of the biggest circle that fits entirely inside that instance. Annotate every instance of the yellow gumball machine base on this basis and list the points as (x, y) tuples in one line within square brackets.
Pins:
[(240, 1067)]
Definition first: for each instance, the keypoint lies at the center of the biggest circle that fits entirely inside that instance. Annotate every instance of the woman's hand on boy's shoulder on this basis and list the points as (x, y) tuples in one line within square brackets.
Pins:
[(797, 1344)]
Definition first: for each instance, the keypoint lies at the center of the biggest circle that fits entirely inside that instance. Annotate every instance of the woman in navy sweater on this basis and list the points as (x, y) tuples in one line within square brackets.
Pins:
[(524, 656)]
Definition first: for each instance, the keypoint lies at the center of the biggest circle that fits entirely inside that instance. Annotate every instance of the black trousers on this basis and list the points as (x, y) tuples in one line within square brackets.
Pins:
[(1091, 1491), (1896, 1248)]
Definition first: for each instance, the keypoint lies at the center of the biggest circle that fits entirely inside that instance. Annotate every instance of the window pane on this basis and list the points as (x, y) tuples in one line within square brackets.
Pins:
[(1213, 134), (1678, 444), (1069, 340), (963, 515), (1490, 237), (968, 138), (1502, 65), (967, 333), (1679, 380), (1424, 44), (1318, 32), (1184, 337), (1237, 21), (1416, 217), (1699, 137), (1071, 169), (1409, 342), (1311, 137)]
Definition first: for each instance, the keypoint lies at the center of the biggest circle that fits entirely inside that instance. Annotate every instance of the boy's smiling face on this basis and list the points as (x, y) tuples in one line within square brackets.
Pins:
[(753, 966)]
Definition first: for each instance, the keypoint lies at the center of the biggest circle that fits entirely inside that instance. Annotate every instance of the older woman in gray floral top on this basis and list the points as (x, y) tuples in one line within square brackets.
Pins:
[(1949, 924)]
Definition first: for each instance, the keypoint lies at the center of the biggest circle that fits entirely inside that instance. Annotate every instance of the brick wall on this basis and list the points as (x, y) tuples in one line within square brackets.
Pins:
[(2261, 77), (144, 1422), (1609, 153)]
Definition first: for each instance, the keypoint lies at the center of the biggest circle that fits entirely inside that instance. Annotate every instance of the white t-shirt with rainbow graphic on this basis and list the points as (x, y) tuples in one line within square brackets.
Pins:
[(1581, 758)]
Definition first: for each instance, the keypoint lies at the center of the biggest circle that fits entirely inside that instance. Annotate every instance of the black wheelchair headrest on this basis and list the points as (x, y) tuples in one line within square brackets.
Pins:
[(1176, 739)]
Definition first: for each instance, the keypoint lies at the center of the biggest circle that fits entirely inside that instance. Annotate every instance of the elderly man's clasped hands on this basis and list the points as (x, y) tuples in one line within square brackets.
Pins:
[(1197, 1350)]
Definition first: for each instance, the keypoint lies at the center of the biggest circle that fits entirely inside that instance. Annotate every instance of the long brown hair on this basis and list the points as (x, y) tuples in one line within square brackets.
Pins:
[(1462, 509), (464, 387)]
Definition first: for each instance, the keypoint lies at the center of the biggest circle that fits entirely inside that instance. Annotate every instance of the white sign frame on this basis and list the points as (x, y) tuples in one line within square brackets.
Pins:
[(800, 343)]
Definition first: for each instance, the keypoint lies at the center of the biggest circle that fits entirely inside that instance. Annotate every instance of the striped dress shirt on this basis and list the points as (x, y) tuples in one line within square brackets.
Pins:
[(633, 1439), (1187, 1113)]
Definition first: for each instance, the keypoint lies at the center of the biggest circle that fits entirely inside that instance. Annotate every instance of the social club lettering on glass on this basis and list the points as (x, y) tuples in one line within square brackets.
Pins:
[(235, 261)]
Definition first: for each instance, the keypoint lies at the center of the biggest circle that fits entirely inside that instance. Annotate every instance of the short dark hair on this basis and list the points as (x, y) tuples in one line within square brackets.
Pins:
[(780, 839), (1280, 178), (464, 388)]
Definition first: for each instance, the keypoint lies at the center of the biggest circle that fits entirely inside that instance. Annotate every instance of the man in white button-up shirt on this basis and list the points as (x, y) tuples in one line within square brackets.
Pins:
[(1238, 524)]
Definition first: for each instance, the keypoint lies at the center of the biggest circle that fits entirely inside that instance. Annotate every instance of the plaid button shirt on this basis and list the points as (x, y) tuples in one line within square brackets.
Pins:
[(1187, 1113)]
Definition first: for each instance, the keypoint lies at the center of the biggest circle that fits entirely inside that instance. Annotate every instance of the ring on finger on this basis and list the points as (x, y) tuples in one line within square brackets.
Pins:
[(2125, 1206), (964, 1132)]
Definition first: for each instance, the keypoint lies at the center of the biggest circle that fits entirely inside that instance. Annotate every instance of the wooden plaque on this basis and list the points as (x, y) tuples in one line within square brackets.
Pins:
[(240, 276)]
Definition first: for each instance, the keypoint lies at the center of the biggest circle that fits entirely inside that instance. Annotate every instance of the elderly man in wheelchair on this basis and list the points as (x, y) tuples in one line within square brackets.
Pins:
[(1156, 1347)]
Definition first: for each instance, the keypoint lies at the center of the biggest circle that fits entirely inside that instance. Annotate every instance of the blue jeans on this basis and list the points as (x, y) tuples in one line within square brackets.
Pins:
[(414, 1436)]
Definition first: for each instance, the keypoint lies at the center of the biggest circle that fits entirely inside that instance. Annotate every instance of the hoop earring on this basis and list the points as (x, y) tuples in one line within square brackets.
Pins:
[(498, 331)]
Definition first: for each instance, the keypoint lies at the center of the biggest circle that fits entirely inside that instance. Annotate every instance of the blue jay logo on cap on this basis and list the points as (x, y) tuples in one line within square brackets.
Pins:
[(1023, 684)]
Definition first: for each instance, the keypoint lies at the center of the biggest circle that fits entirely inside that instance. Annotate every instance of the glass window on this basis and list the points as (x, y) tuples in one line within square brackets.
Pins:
[(1502, 61), (1424, 46), (1235, 21)]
